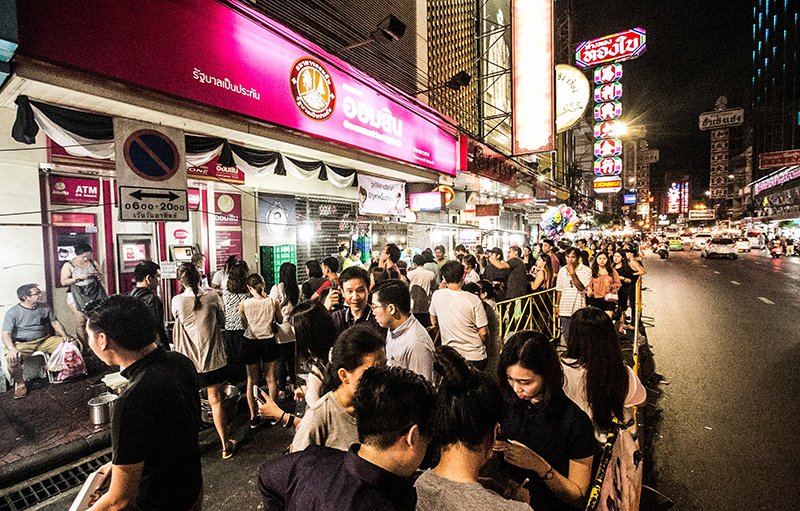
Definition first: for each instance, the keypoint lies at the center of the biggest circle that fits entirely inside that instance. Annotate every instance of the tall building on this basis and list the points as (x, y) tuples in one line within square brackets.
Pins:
[(775, 101)]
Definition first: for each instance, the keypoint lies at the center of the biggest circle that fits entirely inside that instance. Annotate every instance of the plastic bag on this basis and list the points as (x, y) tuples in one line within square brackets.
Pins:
[(67, 361)]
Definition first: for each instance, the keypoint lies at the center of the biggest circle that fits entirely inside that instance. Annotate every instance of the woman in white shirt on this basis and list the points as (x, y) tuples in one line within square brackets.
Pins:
[(595, 375), (259, 314), (470, 272)]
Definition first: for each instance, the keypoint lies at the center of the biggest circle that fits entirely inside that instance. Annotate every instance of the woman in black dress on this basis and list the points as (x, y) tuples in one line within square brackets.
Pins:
[(627, 277)]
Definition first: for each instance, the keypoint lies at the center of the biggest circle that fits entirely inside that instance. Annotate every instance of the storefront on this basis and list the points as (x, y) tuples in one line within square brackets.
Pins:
[(277, 133)]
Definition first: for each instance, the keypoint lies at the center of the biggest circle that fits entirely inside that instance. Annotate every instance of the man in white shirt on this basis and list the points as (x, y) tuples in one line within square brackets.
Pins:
[(408, 344), (422, 282), (460, 317), (571, 288)]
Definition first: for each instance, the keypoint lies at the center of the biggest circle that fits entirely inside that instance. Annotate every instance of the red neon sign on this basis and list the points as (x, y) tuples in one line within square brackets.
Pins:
[(611, 48)]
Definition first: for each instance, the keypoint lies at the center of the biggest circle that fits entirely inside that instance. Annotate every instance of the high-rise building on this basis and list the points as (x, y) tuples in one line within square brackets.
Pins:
[(775, 101)]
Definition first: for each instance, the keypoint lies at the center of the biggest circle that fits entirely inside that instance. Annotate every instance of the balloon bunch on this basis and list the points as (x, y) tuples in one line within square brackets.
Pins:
[(556, 221)]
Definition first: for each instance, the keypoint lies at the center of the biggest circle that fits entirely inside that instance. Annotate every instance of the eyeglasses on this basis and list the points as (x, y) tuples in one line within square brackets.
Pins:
[(37, 293), (373, 307)]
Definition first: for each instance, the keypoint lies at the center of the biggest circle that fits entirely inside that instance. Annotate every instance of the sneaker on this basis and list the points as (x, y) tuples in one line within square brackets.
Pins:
[(20, 391), (255, 422)]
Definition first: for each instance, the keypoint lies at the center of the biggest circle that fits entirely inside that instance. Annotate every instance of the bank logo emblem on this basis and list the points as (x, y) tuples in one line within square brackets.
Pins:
[(312, 89)]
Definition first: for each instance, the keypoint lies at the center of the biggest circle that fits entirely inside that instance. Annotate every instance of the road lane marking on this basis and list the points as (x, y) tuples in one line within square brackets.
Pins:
[(766, 300), (735, 283), (716, 272)]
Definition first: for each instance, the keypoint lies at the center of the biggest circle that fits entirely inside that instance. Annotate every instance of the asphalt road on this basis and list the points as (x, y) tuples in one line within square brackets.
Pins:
[(725, 336)]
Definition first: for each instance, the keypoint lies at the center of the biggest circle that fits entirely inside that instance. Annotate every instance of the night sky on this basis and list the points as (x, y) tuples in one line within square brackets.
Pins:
[(696, 51)]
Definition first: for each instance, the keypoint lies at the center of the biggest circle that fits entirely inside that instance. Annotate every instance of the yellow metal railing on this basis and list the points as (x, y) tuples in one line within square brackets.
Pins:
[(529, 312)]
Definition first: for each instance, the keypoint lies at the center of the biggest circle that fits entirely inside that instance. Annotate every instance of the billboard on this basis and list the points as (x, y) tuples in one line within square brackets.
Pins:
[(721, 119), (629, 198), (611, 184), (429, 201), (532, 77), (674, 198), (778, 159), (572, 96), (611, 48)]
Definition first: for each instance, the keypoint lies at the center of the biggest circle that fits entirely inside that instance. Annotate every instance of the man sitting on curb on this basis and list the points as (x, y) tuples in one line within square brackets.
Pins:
[(393, 408), (25, 330)]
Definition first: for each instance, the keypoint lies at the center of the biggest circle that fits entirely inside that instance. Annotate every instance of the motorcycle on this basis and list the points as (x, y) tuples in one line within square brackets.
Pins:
[(663, 251), (775, 251)]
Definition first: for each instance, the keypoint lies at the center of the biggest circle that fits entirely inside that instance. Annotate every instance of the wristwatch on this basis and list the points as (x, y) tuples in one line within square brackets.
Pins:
[(548, 475)]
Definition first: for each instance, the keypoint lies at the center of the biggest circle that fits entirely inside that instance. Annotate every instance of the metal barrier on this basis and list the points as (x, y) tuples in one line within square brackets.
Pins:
[(529, 312)]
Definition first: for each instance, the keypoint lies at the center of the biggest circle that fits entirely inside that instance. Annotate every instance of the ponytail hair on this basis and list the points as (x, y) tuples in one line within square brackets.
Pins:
[(256, 282), (468, 405), (189, 276)]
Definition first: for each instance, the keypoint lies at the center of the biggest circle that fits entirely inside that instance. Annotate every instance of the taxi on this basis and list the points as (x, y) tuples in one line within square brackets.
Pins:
[(675, 244)]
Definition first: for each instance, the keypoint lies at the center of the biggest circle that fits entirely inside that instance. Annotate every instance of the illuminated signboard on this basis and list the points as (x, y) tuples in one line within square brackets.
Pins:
[(674, 198), (607, 148), (572, 96), (598, 205), (611, 48), (532, 76), (608, 74), (608, 92), (608, 129), (629, 198), (685, 197), (608, 166), (607, 111), (431, 201), (610, 184)]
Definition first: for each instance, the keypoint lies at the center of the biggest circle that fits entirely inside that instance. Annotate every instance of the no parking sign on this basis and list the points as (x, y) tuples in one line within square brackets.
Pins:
[(151, 172)]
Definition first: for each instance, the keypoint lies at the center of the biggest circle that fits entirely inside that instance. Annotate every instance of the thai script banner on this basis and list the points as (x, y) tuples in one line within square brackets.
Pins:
[(721, 119), (778, 159), (611, 48), (378, 196), (776, 179), (232, 57)]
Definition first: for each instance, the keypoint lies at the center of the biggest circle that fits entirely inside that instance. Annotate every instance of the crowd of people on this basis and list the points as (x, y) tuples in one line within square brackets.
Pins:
[(393, 420)]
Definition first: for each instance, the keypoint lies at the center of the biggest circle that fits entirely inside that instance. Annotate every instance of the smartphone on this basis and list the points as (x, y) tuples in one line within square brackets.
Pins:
[(257, 394)]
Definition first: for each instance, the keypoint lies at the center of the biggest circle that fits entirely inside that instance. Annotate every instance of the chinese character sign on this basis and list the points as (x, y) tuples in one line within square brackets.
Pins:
[(607, 92), (608, 74), (607, 111), (607, 148), (608, 166)]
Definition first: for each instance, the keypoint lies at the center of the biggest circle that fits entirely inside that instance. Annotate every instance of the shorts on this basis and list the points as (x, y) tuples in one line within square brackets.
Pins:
[(601, 303), (259, 350), (212, 377)]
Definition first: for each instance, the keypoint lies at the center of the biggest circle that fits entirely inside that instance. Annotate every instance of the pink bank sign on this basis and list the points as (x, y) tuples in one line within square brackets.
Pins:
[(240, 61)]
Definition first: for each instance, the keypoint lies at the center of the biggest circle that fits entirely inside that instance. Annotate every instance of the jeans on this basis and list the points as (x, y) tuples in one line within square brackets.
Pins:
[(565, 327)]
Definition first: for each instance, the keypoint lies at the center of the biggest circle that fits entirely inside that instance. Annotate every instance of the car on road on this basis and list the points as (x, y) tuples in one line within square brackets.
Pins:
[(752, 237), (720, 247), (743, 245), (699, 240), (675, 244), (686, 238)]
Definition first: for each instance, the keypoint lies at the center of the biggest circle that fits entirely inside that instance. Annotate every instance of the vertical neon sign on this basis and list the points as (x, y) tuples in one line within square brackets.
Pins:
[(533, 76)]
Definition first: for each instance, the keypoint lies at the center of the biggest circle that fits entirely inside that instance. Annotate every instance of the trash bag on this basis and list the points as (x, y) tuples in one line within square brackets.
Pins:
[(67, 361)]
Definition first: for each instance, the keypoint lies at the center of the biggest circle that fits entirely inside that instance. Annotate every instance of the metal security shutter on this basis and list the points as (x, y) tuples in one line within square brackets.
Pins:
[(334, 222)]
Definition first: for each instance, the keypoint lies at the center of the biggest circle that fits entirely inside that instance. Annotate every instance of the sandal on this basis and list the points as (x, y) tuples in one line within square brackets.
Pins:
[(227, 453)]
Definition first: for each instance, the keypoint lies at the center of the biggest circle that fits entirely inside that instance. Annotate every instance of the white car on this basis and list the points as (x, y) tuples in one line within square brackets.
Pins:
[(743, 245), (720, 247), (700, 240)]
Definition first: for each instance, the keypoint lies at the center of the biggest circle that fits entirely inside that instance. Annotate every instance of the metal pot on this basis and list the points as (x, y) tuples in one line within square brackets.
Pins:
[(100, 408)]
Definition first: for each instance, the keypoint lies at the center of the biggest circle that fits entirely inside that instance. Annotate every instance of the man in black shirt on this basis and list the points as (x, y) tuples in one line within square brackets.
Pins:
[(147, 275), (155, 423), (393, 408), (354, 291)]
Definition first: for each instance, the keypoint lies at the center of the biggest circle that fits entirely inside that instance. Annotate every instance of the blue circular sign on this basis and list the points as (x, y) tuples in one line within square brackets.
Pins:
[(151, 155)]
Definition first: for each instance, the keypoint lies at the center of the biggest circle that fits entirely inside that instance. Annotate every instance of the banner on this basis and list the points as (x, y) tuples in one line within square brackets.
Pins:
[(227, 226), (378, 196)]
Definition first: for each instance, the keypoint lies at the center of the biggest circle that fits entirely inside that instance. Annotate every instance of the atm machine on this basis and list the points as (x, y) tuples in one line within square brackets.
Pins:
[(131, 250)]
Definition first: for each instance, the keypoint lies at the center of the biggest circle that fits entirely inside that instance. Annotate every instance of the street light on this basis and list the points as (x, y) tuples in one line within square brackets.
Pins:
[(708, 192), (456, 83), (391, 29)]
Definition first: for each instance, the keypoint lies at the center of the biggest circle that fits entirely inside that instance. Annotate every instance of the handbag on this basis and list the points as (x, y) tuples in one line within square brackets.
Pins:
[(611, 297)]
